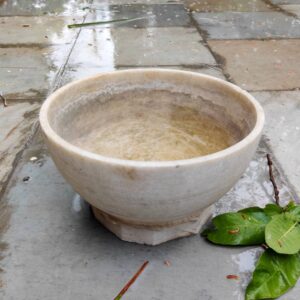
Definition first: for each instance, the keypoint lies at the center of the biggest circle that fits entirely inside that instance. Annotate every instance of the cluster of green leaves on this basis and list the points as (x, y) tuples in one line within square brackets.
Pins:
[(278, 268)]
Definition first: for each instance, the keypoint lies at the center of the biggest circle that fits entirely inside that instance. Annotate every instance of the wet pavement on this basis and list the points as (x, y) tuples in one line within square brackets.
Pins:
[(248, 25), (50, 246)]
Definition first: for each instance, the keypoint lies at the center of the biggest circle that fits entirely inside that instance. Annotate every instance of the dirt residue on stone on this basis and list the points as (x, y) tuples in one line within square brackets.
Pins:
[(5, 213), (4, 220)]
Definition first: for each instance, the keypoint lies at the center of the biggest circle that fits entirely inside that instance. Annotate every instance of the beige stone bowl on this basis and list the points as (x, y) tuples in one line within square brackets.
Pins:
[(151, 202)]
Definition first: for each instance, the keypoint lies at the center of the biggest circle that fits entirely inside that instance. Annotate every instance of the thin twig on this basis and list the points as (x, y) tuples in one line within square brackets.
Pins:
[(3, 101), (76, 25), (131, 281), (276, 191)]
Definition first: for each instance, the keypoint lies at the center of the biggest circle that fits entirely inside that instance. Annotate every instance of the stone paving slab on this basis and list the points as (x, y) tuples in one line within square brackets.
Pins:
[(157, 15), (228, 5), (292, 8), (43, 30), (35, 8), (261, 65), (27, 73), (285, 1), (123, 47), (56, 250), (16, 122), (283, 130), (248, 25)]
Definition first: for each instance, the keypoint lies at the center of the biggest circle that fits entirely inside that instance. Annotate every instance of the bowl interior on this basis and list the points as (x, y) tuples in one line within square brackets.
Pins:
[(82, 107)]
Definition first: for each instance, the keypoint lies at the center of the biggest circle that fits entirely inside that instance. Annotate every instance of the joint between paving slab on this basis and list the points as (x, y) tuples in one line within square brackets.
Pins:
[(278, 167), (279, 38), (274, 90), (24, 100), (221, 61), (278, 8), (29, 45)]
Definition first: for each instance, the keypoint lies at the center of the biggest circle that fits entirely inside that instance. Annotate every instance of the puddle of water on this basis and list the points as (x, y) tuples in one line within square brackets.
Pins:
[(245, 262), (95, 47), (77, 203), (40, 7), (80, 208)]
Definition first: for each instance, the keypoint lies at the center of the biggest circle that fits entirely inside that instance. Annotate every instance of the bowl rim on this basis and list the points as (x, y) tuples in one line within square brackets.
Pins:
[(59, 141)]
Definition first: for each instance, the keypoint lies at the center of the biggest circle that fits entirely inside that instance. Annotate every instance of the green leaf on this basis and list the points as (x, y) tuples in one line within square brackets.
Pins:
[(283, 234), (289, 206), (274, 275), (295, 212), (246, 227), (273, 209)]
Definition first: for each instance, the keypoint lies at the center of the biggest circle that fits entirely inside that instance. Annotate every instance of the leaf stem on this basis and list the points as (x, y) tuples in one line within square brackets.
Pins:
[(131, 281), (276, 191)]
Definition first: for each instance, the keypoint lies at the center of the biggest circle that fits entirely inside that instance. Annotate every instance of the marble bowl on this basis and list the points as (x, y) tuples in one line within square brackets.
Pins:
[(151, 202)]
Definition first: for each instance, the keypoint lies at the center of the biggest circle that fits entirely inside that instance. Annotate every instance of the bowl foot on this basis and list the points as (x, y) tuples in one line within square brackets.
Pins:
[(153, 234)]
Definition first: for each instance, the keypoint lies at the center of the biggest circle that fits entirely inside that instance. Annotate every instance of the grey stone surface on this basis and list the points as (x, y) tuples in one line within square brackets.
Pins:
[(140, 47), (43, 30), (27, 72), (16, 121), (38, 7), (56, 250), (156, 15), (292, 8), (283, 130), (261, 65), (228, 5), (252, 25), (285, 1)]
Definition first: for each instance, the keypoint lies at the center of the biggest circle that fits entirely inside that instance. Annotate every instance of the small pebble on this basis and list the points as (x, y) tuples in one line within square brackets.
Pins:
[(33, 158), (167, 263), (26, 178), (235, 277)]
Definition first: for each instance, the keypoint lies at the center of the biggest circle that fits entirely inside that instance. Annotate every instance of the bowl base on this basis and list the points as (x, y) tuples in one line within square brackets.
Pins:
[(153, 234)]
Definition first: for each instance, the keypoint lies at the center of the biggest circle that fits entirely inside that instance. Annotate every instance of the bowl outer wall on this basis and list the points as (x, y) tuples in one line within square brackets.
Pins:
[(153, 193)]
